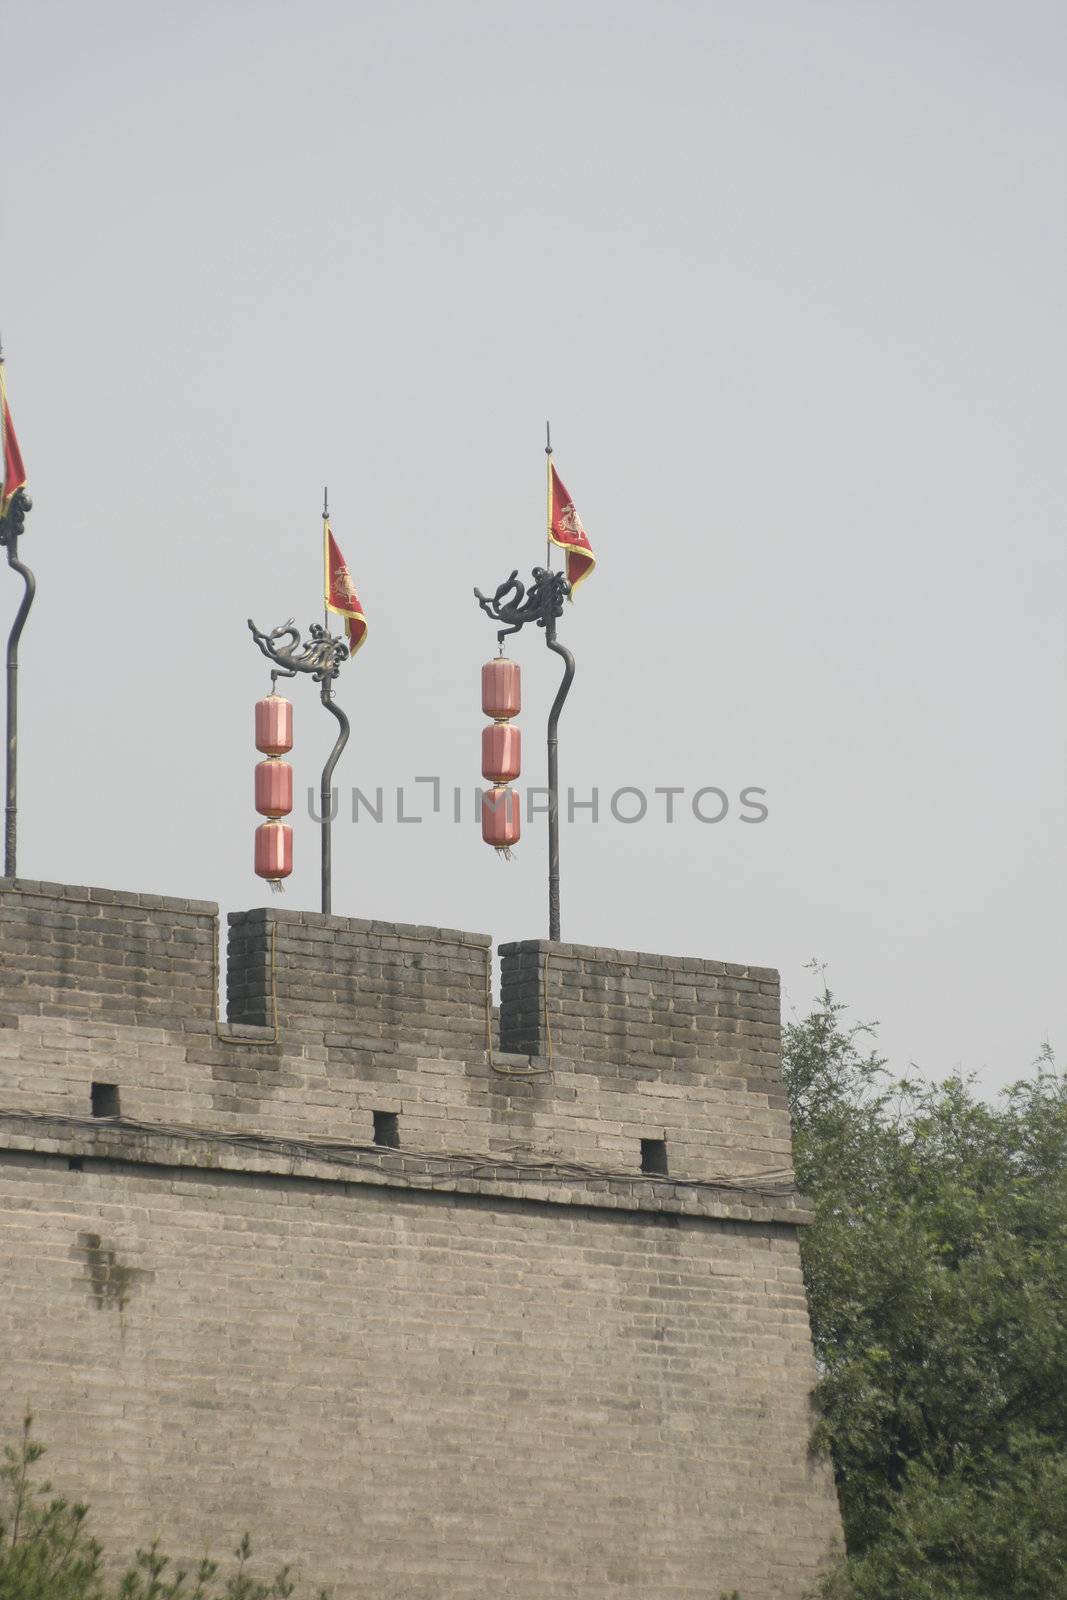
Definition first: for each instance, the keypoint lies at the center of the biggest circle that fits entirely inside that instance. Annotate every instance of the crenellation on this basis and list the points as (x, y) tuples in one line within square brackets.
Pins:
[(410, 1367)]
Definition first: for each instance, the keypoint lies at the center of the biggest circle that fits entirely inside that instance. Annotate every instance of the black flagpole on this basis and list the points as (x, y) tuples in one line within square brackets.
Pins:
[(326, 784), (553, 729), (11, 526)]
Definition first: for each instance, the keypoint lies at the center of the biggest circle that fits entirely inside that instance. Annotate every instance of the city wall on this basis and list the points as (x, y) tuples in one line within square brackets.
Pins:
[(436, 1302)]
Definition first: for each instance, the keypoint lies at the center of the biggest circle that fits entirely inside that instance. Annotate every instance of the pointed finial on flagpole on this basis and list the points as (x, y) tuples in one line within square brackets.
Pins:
[(548, 453), (325, 558)]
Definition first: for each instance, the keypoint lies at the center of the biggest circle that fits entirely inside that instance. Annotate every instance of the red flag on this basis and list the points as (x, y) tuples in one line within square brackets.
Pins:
[(14, 471), (341, 593), (565, 529)]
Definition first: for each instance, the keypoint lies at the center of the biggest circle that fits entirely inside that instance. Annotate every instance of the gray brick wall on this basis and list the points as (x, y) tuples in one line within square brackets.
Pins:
[(625, 1010), (381, 980), (72, 951), (498, 1359), (327, 1085), (416, 1396)]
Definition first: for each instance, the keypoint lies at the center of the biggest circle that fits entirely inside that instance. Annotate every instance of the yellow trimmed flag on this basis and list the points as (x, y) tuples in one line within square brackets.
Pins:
[(565, 529), (341, 595)]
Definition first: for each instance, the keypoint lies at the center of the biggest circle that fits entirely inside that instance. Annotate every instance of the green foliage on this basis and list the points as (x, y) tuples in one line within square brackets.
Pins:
[(991, 1528), (47, 1553), (937, 1279)]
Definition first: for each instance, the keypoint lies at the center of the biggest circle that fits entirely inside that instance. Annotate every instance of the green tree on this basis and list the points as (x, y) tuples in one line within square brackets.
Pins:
[(936, 1271), (47, 1552)]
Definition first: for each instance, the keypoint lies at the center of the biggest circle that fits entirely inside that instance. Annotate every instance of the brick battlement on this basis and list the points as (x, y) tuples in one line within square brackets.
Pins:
[(101, 954), (597, 1050), (628, 1008), (71, 951), (381, 980), (438, 1304)]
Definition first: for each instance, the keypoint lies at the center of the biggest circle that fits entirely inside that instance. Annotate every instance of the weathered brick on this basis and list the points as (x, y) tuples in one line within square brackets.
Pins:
[(495, 1359)]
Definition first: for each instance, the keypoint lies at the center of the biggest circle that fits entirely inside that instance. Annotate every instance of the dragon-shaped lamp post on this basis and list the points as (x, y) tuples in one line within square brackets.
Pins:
[(322, 656), (514, 605)]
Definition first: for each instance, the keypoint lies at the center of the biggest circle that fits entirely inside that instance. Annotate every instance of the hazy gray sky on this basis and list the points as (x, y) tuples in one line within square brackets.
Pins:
[(788, 279)]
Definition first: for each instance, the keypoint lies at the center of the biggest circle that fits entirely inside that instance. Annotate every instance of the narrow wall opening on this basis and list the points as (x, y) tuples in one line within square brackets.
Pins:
[(104, 1099), (387, 1129), (654, 1157)]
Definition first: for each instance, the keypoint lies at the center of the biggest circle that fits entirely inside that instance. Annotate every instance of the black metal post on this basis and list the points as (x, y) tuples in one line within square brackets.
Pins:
[(553, 776), (10, 528), (326, 790)]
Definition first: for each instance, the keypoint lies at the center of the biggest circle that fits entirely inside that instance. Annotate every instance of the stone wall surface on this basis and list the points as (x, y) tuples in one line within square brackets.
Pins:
[(495, 1359), (429, 988), (611, 1006), (77, 952)]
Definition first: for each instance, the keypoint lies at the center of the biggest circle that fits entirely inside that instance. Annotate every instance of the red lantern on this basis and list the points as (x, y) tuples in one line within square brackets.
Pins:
[(274, 725), (274, 851), (501, 823), (501, 689), (501, 752), (274, 788)]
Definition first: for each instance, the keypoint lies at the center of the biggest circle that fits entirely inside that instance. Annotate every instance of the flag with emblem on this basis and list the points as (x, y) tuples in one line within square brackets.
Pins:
[(565, 530), (341, 595)]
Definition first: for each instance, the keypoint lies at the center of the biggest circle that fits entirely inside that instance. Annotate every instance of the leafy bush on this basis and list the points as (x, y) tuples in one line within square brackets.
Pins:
[(936, 1271)]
